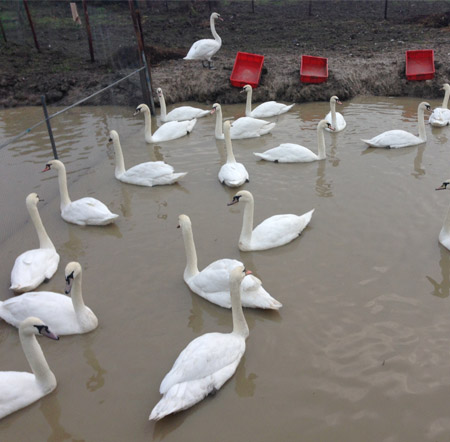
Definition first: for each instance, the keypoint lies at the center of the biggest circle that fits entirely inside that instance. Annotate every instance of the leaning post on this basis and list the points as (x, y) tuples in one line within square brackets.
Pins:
[(88, 30), (49, 127), (25, 3)]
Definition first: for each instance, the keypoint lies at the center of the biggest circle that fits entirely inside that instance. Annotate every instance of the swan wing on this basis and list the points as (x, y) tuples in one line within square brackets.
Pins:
[(233, 174), (394, 139), (173, 130), (247, 127), (269, 109), (254, 295), (340, 122), (440, 117), (88, 211), (186, 113), (288, 153), (203, 49)]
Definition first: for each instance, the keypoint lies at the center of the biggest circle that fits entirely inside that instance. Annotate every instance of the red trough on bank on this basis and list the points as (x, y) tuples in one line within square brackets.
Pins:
[(313, 69), (420, 64), (247, 69)]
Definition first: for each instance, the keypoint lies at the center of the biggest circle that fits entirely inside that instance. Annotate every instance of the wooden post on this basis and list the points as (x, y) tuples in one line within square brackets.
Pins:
[(385, 9), (88, 30), (3, 31), (253, 5), (31, 25), (309, 8), (49, 128)]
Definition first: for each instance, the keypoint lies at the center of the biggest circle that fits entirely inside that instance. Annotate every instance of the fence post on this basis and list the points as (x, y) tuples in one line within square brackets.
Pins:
[(88, 30), (385, 9), (49, 128), (31, 25), (3, 31)]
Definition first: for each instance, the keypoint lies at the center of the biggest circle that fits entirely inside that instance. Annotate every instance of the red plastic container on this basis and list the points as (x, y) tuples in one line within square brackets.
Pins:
[(313, 69), (247, 69), (420, 64)]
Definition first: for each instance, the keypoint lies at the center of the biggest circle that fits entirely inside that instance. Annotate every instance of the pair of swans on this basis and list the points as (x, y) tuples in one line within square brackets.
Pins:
[(295, 153), (152, 173), (274, 231), (400, 138), (232, 173), (213, 282), (19, 389), (244, 127), (33, 267), (168, 131), (85, 211), (204, 49), (336, 119), (207, 362), (181, 113), (441, 115), (264, 110), (63, 314)]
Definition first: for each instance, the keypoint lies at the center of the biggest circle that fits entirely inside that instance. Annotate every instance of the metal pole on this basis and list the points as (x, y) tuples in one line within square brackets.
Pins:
[(253, 5), (385, 9), (309, 8), (3, 31), (149, 83), (49, 127), (88, 30), (31, 25)]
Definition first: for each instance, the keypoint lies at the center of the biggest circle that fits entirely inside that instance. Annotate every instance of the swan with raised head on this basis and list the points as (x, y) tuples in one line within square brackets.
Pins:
[(33, 267), (213, 282), (400, 138), (63, 314), (85, 211), (19, 389), (295, 153), (207, 362), (152, 173), (264, 110), (441, 115), (244, 127), (336, 119), (181, 113), (168, 131), (444, 234), (204, 49), (232, 174), (275, 231)]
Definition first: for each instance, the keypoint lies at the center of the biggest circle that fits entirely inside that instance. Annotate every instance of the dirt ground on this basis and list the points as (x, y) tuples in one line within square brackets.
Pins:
[(366, 53)]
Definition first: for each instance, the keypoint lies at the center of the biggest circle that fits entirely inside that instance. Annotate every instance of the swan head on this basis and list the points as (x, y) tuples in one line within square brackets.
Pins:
[(243, 195), (56, 164), (32, 200), (324, 124), (184, 221), (216, 16), (444, 185), (73, 269), (246, 88), (113, 136), (34, 326), (159, 92), (141, 108), (425, 105), (215, 107), (335, 99)]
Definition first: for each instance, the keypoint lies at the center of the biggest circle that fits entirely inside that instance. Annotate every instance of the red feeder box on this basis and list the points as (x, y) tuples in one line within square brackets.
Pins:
[(247, 69), (420, 64), (313, 69)]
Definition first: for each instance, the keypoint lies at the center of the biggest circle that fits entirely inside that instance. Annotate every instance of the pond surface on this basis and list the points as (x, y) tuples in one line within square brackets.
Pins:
[(360, 350)]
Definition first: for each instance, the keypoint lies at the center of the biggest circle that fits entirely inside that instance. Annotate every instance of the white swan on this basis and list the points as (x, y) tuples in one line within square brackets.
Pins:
[(206, 363), (19, 388), (168, 131), (264, 110), (204, 49), (272, 232), (244, 127), (181, 113), (441, 115), (400, 138), (295, 153), (336, 119), (33, 267), (85, 211), (444, 234), (152, 173), (232, 174), (213, 283), (63, 314)]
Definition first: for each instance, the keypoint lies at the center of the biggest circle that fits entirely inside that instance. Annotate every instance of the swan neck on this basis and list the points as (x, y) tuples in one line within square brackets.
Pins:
[(240, 326), (162, 104), (120, 164), (321, 150), (63, 192), (333, 113), (191, 254), (446, 97), (229, 147), (421, 121), (213, 31), (148, 125), (248, 104), (44, 240), (77, 297), (219, 133), (247, 223), (36, 359), (446, 225)]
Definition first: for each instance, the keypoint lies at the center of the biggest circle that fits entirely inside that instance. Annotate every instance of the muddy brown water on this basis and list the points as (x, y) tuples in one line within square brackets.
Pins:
[(360, 349)]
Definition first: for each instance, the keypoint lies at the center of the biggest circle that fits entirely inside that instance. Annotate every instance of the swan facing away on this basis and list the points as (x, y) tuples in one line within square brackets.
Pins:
[(19, 388), (232, 174), (275, 231), (244, 127), (264, 110), (400, 138), (207, 362), (204, 49), (295, 153), (152, 173), (33, 267), (168, 131), (441, 115), (213, 282), (85, 211), (444, 234), (336, 119), (181, 113), (64, 315)]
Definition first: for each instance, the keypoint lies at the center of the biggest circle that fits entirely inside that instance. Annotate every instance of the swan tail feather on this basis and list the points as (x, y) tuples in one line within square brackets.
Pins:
[(191, 125)]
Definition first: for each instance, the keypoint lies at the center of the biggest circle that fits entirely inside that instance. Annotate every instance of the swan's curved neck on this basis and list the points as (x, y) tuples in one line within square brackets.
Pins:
[(213, 31), (120, 163), (321, 150), (333, 113), (162, 104), (240, 326), (248, 104), (219, 133), (191, 255), (229, 147), (446, 225), (38, 364), (63, 192), (44, 240), (247, 223), (77, 298), (446, 97), (148, 125), (421, 121)]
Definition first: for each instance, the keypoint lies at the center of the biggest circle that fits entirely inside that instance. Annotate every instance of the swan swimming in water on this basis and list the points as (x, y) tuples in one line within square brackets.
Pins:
[(204, 49), (444, 234), (336, 119), (441, 115), (264, 110), (181, 113)]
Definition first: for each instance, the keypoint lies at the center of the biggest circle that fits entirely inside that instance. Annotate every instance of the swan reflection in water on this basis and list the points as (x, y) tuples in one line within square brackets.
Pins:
[(442, 289)]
